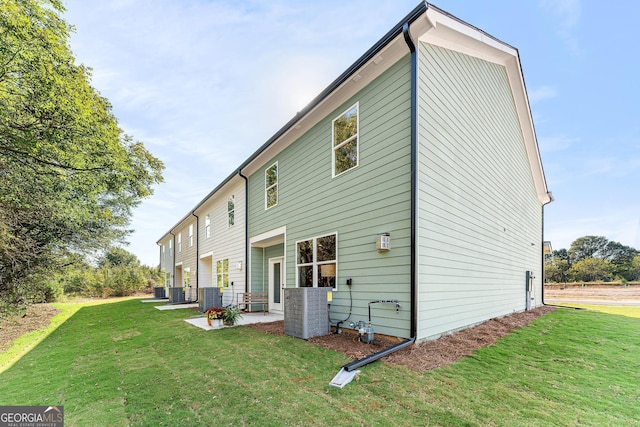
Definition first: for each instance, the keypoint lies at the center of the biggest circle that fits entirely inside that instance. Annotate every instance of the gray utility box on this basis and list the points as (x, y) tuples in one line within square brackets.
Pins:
[(306, 312), (159, 292), (208, 297), (176, 295)]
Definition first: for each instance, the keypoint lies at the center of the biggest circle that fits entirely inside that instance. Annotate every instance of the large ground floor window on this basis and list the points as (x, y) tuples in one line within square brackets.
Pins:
[(317, 261), (222, 273)]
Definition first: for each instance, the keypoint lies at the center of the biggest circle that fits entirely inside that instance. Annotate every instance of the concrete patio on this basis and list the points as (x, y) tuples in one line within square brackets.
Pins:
[(247, 319)]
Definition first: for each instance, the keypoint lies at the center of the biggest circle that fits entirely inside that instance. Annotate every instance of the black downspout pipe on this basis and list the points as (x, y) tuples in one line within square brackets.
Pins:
[(173, 261), (542, 232), (197, 253), (414, 203), (246, 230)]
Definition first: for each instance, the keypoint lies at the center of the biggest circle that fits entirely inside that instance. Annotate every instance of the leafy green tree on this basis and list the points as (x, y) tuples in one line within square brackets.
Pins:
[(556, 270), (70, 176), (591, 269), (587, 247)]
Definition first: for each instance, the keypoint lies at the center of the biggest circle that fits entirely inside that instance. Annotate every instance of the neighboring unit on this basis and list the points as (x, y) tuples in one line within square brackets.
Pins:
[(412, 186)]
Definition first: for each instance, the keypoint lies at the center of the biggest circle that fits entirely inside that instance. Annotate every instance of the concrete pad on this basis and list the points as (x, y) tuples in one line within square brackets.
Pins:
[(156, 300), (176, 306), (247, 319)]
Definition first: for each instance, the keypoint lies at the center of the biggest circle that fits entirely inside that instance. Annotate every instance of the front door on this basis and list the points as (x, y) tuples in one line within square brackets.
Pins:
[(276, 275)]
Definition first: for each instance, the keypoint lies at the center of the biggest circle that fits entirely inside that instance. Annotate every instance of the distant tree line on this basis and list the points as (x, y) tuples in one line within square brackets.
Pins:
[(593, 259)]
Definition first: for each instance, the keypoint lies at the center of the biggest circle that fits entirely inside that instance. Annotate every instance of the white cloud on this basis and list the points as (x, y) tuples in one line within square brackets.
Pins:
[(541, 93), (555, 143), (568, 12)]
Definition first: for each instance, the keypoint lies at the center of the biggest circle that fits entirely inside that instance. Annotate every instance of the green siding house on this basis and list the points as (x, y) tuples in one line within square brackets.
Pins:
[(415, 177)]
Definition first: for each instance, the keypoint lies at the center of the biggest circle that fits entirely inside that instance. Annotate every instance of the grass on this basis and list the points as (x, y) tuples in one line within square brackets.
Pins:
[(129, 364)]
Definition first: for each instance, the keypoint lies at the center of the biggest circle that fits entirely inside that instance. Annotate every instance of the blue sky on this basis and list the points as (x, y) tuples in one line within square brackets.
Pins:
[(204, 83)]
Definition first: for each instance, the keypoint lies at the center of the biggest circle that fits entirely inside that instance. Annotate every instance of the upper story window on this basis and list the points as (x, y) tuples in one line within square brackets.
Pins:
[(170, 247), (180, 242), (271, 186), (345, 137), (231, 208), (317, 261), (190, 235), (163, 248), (207, 226)]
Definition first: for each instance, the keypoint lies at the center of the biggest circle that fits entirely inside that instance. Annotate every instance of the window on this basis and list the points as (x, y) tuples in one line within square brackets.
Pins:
[(170, 247), (167, 280), (231, 206), (345, 141), (207, 226), (222, 273), (179, 242), (316, 262), (190, 235), (271, 186), (163, 249), (186, 277)]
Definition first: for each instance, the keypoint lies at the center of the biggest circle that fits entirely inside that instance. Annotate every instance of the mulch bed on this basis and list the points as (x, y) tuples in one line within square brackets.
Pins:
[(37, 317), (426, 355)]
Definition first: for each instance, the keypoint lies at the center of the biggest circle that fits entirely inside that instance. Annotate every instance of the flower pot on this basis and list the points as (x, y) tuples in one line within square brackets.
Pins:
[(217, 323), (208, 321)]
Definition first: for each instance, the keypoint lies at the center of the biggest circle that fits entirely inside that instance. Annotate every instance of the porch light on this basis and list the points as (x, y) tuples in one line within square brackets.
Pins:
[(239, 265)]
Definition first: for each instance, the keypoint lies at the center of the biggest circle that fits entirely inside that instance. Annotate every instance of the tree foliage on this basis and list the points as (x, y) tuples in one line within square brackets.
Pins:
[(593, 258), (70, 176)]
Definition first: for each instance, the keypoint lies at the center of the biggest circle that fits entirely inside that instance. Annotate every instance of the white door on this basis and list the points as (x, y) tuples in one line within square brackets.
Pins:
[(276, 276)]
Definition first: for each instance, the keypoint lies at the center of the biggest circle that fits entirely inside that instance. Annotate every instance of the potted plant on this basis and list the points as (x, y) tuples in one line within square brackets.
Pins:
[(214, 315), (231, 315)]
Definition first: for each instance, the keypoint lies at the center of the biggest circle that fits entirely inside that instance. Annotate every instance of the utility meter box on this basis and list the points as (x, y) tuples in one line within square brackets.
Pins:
[(306, 312)]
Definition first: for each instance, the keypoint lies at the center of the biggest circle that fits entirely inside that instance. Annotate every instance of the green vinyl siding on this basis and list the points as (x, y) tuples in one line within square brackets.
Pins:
[(479, 218), (358, 205)]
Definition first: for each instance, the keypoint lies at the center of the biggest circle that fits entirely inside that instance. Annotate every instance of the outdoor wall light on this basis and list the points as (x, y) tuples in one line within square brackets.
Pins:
[(239, 265), (383, 242)]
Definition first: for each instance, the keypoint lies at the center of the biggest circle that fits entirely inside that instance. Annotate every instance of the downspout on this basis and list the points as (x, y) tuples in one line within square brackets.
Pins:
[(542, 233), (173, 261), (246, 230), (197, 253), (414, 214)]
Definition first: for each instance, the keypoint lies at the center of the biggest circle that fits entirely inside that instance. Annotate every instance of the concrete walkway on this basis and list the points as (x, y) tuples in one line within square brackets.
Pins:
[(176, 306), (247, 319)]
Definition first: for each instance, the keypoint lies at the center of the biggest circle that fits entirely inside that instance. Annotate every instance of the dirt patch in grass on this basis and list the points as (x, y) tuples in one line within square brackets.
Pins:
[(426, 355), (37, 317)]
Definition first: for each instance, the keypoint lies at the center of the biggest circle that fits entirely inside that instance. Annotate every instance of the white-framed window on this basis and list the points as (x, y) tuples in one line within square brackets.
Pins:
[(163, 249), (170, 247), (317, 261), (207, 226), (190, 235), (345, 140), (271, 186), (222, 273), (179, 242), (186, 277), (167, 279), (231, 209)]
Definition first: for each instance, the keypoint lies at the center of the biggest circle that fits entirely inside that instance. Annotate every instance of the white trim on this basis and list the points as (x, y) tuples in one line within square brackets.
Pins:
[(268, 235), (179, 264), (283, 271), (206, 255)]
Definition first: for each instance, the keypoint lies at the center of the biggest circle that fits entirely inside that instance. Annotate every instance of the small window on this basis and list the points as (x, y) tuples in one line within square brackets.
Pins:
[(271, 186), (163, 248), (190, 235), (170, 247), (222, 273), (316, 262), (179, 242), (231, 206), (345, 141), (186, 278), (207, 226)]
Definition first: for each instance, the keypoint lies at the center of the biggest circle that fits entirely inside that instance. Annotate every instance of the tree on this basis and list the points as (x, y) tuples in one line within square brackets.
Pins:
[(556, 270), (591, 269), (587, 247), (70, 176)]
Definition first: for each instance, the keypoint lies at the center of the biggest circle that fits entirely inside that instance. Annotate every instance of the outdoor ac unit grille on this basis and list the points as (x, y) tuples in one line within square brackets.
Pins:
[(159, 292), (176, 295), (208, 297), (306, 313)]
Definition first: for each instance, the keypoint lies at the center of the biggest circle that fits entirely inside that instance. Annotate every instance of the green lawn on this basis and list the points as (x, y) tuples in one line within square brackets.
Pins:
[(129, 364)]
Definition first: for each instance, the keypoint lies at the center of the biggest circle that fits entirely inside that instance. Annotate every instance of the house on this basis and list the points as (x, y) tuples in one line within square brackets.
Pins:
[(412, 186)]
